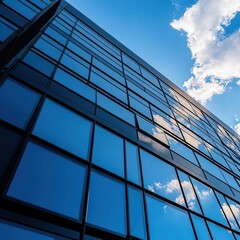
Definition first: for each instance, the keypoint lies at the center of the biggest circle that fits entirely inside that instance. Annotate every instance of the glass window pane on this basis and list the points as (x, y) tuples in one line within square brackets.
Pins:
[(39, 63), (115, 109), (108, 151), (80, 67), (64, 128), (49, 180), (106, 206), (132, 161), (12, 231), (200, 228), (208, 200), (210, 167), (152, 129), (167, 221), (75, 85), (235, 207), (188, 190), (161, 178), (182, 149), (227, 211), (47, 46), (17, 103), (136, 213), (220, 233)]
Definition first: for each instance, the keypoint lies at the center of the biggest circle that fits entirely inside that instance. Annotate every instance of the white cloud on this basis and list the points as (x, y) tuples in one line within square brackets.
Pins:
[(238, 82), (237, 128), (216, 55), (235, 210)]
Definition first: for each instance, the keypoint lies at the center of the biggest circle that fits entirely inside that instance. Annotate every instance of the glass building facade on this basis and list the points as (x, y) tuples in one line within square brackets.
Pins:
[(96, 144)]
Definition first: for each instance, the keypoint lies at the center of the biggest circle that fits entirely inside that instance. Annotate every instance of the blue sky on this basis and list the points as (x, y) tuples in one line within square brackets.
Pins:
[(194, 43)]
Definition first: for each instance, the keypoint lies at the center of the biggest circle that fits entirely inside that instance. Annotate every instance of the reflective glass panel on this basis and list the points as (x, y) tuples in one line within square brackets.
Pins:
[(115, 108), (136, 213), (227, 211), (167, 221), (182, 149), (64, 128), (49, 180), (188, 190), (12, 231), (17, 103), (209, 203), (107, 204), (132, 161), (200, 228), (38, 62), (235, 207), (220, 233), (108, 151), (161, 178), (75, 85)]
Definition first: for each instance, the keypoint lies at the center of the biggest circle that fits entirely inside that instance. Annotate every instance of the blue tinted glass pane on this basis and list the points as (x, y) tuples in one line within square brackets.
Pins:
[(235, 207), (75, 85), (136, 213), (210, 205), (78, 67), (6, 30), (200, 228), (210, 167), (182, 150), (64, 128), (50, 181), (161, 178), (188, 190), (21, 8), (106, 206), (227, 211), (152, 129), (108, 151), (39, 63), (17, 103), (11, 231), (220, 233), (79, 51), (48, 48), (115, 109), (132, 161), (167, 222), (56, 35), (140, 107)]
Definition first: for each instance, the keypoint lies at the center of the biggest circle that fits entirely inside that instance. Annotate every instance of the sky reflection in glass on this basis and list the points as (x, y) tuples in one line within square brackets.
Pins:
[(167, 221), (209, 203), (161, 178)]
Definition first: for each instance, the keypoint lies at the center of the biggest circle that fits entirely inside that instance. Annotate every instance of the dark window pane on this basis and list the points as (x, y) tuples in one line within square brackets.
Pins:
[(167, 221), (77, 64), (136, 213), (132, 161), (17, 103), (46, 179), (106, 206), (115, 109), (8, 145), (108, 151), (200, 228), (161, 178), (12, 231), (75, 85), (39, 63), (64, 128)]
